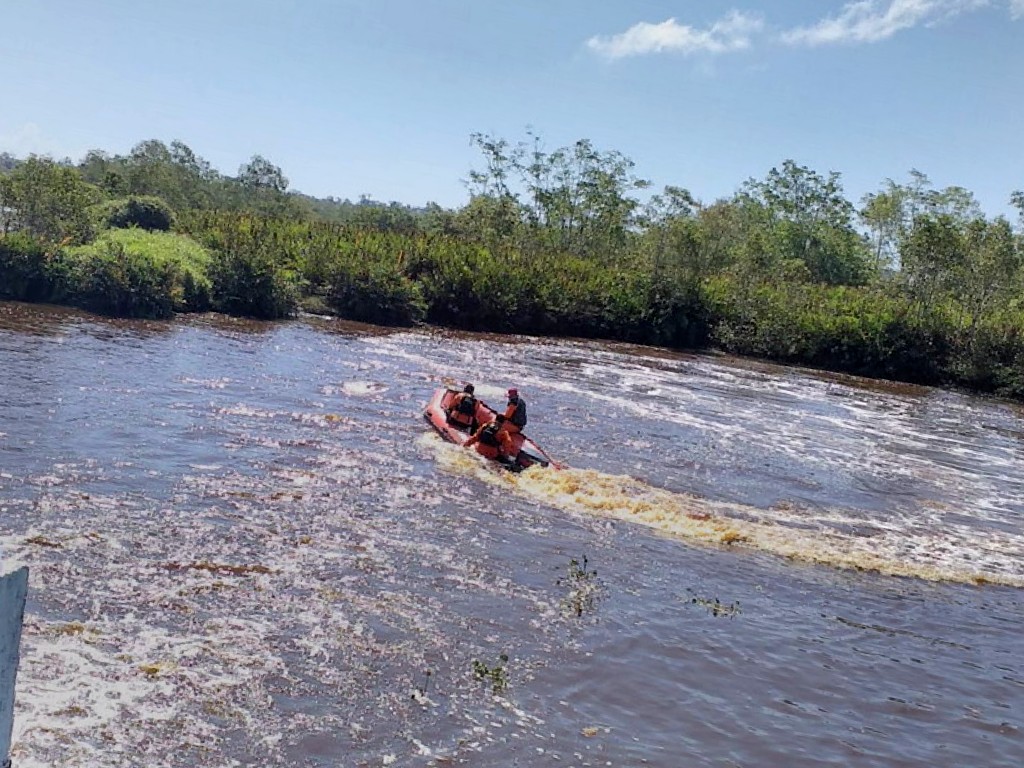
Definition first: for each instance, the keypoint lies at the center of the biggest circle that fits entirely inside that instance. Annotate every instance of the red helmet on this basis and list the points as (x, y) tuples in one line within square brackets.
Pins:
[(513, 392)]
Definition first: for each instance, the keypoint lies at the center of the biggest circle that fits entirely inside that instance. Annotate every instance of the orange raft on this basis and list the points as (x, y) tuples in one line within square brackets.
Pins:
[(437, 414)]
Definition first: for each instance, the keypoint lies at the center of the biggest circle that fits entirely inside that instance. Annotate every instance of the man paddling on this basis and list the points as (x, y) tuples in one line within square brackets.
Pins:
[(505, 425), (512, 421)]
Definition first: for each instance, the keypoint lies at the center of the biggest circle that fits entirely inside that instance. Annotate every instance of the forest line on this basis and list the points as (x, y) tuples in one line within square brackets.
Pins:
[(912, 283)]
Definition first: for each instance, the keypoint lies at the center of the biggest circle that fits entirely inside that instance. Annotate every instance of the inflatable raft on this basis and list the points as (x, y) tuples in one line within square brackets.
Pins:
[(438, 414)]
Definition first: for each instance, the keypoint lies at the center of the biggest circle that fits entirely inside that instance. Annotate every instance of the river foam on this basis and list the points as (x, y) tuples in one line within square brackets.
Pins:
[(832, 538)]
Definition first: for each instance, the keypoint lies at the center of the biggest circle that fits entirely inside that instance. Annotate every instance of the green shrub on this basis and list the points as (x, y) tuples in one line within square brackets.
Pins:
[(110, 280), (857, 330), (25, 274), (145, 212), (375, 292), (186, 260), (248, 283), (255, 266), (467, 286)]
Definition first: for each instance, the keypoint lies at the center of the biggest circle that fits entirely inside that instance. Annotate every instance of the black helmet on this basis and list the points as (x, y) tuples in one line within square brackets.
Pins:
[(468, 389)]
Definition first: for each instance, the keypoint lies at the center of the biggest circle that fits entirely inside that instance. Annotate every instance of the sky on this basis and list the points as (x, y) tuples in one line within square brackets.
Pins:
[(380, 97)]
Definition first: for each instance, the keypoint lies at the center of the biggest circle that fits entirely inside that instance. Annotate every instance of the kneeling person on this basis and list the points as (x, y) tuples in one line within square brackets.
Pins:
[(487, 434), (462, 410)]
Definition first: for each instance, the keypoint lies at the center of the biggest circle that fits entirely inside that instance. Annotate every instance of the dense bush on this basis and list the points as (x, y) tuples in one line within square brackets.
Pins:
[(249, 283), (990, 356), (467, 286), (869, 332), (145, 212), (110, 280), (185, 261), (253, 270), (27, 271), (375, 292), (47, 200)]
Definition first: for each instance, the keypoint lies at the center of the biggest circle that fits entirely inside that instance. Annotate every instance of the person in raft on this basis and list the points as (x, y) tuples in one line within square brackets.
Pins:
[(462, 410), (505, 425)]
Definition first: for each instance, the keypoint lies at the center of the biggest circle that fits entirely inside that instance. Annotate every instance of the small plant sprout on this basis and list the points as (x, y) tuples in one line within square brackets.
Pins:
[(497, 675), (583, 588)]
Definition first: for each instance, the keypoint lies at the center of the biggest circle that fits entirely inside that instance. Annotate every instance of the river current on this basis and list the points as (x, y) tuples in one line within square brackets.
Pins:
[(248, 548)]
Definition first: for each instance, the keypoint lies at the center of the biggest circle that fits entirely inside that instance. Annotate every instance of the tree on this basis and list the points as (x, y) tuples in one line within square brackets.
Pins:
[(261, 175), (106, 172), (264, 187), (8, 214), (149, 172), (796, 193), (47, 200), (672, 235), (1017, 201), (992, 271), (890, 214), (391, 217), (933, 252), (174, 173), (493, 181), (494, 221), (799, 215), (574, 199), (188, 161), (883, 214)]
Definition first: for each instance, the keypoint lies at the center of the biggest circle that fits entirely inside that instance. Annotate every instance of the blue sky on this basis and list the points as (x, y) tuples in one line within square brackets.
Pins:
[(380, 96)]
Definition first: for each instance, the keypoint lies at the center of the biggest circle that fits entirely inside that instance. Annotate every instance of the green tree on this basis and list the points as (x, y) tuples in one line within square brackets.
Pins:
[(673, 238), (891, 213), (883, 214), (265, 187), (150, 171), (1017, 201), (106, 172), (48, 200), (935, 251), (798, 194), (991, 274), (391, 217), (583, 198), (261, 175), (800, 215), (575, 199)]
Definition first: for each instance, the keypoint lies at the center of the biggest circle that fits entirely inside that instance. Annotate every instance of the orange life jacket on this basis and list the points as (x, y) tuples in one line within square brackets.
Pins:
[(515, 413)]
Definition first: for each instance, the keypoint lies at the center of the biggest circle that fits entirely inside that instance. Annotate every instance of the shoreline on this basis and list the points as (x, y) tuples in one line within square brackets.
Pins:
[(847, 378)]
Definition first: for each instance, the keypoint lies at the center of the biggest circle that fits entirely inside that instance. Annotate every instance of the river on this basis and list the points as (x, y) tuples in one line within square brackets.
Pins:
[(248, 548)]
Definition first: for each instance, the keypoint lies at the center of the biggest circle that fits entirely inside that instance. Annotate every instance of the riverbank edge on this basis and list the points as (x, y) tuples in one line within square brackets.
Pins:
[(314, 313), (270, 269)]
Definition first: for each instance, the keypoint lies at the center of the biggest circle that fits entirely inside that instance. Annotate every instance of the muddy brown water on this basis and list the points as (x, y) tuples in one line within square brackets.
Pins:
[(248, 549)]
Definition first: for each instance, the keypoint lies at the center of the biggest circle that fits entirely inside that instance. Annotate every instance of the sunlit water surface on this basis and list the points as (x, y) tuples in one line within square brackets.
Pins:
[(247, 548)]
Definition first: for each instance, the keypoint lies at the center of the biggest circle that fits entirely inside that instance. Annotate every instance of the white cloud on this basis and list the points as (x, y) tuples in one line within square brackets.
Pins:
[(868, 21), (1017, 9), (731, 33)]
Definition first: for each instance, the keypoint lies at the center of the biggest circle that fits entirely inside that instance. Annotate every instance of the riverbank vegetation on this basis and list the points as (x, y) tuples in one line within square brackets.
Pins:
[(912, 283)]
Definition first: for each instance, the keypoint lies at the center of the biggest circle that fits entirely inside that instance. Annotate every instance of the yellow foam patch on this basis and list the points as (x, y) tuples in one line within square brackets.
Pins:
[(702, 521)]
